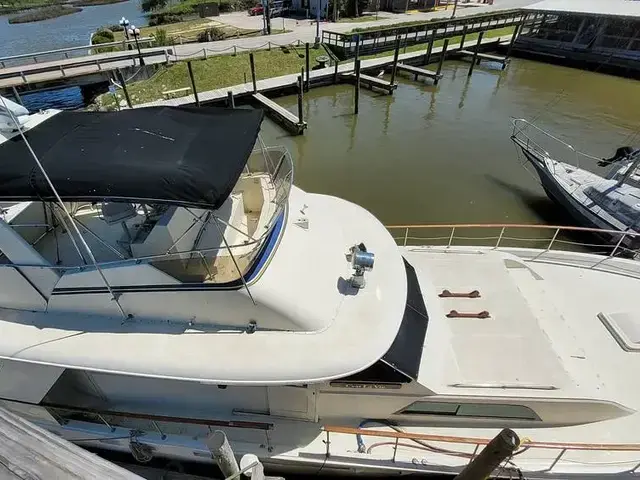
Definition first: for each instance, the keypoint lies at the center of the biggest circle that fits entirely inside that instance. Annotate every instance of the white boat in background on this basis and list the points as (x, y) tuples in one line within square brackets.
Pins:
[(185, 285), (610, 203)]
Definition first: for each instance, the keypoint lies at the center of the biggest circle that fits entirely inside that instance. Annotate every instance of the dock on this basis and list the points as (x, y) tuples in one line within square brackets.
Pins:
[(417, 71), (283, 116), (29, 451), (371, 82), (485, 56)]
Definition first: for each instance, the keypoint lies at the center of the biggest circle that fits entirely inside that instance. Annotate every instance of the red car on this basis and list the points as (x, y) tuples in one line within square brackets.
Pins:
[(257, 10)]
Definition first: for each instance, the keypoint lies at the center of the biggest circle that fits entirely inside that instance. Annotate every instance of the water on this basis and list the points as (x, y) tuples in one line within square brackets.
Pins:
[(66, 31), (443, 154)]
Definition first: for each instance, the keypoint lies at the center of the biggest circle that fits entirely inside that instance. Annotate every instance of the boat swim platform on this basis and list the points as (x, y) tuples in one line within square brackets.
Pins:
[(485, 56), (317, 78)]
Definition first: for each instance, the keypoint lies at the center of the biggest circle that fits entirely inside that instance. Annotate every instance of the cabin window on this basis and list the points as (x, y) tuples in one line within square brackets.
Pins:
[(475, 410)]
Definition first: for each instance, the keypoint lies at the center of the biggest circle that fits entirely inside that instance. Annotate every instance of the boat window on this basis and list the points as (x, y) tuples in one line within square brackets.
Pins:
[(476, 410)]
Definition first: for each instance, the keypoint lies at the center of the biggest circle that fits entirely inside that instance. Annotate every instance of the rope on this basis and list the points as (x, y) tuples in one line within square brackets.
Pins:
[(141, 452)]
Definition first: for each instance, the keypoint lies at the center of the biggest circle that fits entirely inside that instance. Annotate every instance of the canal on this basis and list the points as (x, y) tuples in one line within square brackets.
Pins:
[(443, 154)]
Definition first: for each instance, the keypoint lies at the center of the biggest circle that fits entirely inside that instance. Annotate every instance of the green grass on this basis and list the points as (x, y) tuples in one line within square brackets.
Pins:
[(45, 13), (215, 72), (498, 32), (187, 31), (363, 18)]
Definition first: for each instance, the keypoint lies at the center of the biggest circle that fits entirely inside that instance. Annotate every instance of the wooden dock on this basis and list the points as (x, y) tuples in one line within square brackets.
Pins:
[(283, 116), (29, 451), (371, 82), (485, 56), (417, 71)]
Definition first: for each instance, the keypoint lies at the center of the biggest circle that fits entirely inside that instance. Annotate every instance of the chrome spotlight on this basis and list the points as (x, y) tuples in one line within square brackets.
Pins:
[(361, 261)]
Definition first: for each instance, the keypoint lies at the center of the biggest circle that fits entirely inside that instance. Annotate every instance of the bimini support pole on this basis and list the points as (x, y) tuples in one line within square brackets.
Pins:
[(64, 208)]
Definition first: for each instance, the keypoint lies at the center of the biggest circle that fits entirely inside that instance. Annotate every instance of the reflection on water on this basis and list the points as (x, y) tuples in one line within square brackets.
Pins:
[(65, 99), (443, 154)]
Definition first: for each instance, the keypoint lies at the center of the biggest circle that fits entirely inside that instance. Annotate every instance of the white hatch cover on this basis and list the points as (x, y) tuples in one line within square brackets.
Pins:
[(624, 327)]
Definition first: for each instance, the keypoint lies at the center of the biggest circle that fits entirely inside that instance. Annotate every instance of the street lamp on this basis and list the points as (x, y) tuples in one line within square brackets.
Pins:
[(136, 33), (124, 23)]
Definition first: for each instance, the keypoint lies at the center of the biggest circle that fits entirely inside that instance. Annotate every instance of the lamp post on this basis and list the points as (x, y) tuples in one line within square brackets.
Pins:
[(124, 23), (318, 7), (136, 33)]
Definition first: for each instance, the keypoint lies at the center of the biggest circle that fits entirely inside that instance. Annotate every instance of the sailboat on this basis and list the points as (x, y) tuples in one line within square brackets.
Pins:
[(609, 203), (164, 279)]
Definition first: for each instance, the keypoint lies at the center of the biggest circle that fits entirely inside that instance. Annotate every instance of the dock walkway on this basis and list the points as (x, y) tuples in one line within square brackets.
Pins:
[(485, 56), (418, 72), (290, 121), (371, 82)]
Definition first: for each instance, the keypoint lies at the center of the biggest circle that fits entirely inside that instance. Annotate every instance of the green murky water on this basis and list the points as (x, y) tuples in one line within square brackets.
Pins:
[(443, 154)]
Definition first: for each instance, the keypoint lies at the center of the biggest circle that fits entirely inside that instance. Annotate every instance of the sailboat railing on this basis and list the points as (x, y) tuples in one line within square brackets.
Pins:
[(522, 135), (605, 244), (394, 437)]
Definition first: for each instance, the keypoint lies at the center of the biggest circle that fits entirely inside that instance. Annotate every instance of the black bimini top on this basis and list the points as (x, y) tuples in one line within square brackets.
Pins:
[(178, 155)]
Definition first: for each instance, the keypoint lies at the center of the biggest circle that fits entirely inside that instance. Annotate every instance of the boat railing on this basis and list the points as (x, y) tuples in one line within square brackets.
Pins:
[(394, 438), (531, 138), (545, 239)]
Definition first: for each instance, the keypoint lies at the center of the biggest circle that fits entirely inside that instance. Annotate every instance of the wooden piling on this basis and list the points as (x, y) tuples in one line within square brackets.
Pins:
[(475, 54), (357, 47), (513, 39), (17, 96), (231, 103), (357, 89), (464, 35), (300, 94), (496, 451), (427, 57), (335, 72), (394, 68), (193, 83), (124, 86), (253, 73), (220, 449), (441, 61), (306, 62)]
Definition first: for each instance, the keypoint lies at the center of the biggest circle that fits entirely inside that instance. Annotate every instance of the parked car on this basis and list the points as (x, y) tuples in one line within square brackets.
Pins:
[(257, 10)]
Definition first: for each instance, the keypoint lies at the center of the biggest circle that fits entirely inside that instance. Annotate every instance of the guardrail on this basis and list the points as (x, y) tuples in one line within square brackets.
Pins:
[(498, 235), (384, 39), (64, 52), (476, 443)]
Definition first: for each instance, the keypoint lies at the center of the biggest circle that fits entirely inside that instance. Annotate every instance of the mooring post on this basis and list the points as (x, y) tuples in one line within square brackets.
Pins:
[(427, 57), (17, 96), (222, 453), (513, 39), (335, 72), (253, 72), (300, 94), (395, 61), (443, 54), (357, 47), (306, 65), (123, 84), (193, 83), (475, 54), (464, 34), (231, 103), (496, 451), (357, 90)]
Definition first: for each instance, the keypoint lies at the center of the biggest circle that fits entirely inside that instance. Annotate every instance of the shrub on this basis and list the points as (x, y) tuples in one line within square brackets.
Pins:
[(163, 19), (103, 33), (115, 28), (211, 34), (160, 38)]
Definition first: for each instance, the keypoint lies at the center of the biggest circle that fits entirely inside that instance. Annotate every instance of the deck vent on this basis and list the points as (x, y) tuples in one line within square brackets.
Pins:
[(361, 261)]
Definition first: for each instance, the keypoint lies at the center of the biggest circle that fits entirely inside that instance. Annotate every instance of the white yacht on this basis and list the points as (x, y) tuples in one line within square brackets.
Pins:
[(160, 279), (610, 203)]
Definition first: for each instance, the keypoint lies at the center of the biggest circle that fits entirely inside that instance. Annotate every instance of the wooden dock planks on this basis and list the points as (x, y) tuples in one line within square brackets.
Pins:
[(290, 121), (418, 72), (485, 56), (371, 82)]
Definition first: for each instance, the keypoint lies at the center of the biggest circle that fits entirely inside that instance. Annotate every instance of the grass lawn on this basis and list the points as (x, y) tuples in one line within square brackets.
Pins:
[(363, 18), (216, 72), (498, 32)]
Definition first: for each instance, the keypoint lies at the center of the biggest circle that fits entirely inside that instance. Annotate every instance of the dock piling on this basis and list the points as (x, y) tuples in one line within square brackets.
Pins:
[(357, 48), (443, 54), (394, 68), (464, 34), (357, 89), (306, 61), (300, 94), (193, 83), (253, 73), (231, 103), (335, 72), (490, 458), (475, 54), (516, 30), (124, 86), (222, 453), (427, 56), (17, 95)]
